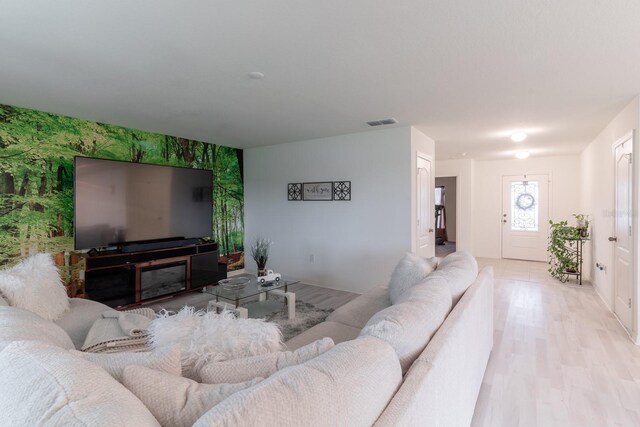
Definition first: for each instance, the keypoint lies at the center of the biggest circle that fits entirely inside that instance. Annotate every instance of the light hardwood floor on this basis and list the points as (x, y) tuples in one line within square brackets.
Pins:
[(560, 358)]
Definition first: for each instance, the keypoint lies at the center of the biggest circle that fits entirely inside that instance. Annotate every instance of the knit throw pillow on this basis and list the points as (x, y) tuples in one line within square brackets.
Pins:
[(176, 401)]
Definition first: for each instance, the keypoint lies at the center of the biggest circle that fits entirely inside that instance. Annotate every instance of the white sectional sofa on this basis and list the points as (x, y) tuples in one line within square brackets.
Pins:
[(419, 361)]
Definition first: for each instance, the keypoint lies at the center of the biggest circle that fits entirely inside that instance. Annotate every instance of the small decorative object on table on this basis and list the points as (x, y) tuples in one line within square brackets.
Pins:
[(269, 277), (260, 254), (582, 224)]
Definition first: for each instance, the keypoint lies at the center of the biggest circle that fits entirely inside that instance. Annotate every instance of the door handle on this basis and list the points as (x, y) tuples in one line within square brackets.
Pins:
[(431, 230), (504, 220), (613, 239)]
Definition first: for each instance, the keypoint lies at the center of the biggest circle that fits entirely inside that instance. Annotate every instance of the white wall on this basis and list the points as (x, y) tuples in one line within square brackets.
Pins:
[(355, 244), (463, 170), (421, 143), (597, 199), (564, 172)]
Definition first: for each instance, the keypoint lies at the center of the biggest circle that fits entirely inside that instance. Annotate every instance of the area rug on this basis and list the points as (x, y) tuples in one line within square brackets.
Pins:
[(307, 315)]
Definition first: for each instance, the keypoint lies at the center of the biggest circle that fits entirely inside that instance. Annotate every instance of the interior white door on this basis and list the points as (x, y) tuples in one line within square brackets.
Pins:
[(622, 238), (525, 217), (425, 208)]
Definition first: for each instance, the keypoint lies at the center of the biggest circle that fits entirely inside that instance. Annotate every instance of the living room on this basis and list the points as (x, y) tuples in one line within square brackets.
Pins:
[(279, 95)]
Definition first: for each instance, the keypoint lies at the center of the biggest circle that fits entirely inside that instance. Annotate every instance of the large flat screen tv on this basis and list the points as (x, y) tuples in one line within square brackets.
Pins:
[(119, 202)]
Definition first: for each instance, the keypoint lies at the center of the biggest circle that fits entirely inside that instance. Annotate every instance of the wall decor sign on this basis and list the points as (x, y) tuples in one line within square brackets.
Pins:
[(342, 190), (317, 191), (294, 191)]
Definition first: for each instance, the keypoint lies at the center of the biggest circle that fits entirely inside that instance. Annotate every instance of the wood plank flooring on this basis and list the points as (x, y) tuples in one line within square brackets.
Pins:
[(560, 358)]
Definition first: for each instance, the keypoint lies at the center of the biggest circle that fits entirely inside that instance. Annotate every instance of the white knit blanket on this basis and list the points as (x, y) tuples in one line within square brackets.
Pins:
[(120, 331)]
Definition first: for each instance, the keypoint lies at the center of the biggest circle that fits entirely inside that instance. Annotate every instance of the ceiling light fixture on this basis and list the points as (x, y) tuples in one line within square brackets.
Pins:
[(522, 155), (518, 136), (257, 75)]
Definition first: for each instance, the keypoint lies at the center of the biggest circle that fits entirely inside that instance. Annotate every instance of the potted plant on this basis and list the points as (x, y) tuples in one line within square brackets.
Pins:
[(260, 254), (562, 238), (582, 224)]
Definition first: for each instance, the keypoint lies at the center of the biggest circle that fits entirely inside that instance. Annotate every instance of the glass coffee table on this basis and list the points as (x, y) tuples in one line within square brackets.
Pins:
[(254, 298)]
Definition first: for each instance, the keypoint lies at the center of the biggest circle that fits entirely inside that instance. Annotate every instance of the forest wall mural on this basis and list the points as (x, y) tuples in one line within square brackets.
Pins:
[(36, 182)]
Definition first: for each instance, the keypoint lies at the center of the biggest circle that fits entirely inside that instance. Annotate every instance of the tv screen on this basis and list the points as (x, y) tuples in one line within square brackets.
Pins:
[(117, 202)]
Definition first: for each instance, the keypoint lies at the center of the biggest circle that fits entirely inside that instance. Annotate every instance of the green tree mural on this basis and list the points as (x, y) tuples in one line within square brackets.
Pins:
[(36, 178)]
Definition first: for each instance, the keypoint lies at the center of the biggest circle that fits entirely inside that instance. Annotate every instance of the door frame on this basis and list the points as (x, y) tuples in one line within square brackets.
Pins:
[(414, 190), (549, 203), (633, 333)]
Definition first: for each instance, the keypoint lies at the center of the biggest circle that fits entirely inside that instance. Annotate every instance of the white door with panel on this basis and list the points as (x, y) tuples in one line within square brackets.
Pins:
[(622, 238), (425, 208), (525, 217)]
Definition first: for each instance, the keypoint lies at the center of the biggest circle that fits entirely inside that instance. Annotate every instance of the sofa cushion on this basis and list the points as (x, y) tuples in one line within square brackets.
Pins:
[(357, 312), (51, 386), (459, 269), (19, 324), (336, 331), (409, 326), (264, 365), (114, 363), (78, 320), (177, 401), (352, 383), (422, 291), (410, 270), (34, 284)]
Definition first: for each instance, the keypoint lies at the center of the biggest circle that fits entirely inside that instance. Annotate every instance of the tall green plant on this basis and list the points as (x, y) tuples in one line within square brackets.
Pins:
[(561, 241)]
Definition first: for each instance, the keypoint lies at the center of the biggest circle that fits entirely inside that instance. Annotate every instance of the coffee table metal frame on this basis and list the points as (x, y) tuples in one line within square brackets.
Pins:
[(232, 300)]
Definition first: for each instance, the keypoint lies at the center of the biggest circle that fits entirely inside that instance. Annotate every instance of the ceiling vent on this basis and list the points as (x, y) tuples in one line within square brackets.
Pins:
[(382, 122)]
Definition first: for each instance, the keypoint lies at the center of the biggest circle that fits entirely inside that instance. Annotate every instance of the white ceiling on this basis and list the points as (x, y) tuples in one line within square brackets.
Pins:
[(464, 72)]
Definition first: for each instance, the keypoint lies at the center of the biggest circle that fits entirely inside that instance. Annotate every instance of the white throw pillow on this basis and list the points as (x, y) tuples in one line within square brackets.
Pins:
[(410, 270), (46, 385), (263, 366), (18, 324), (459, 269), (177, 401), (35, 285), (114, 363), (409, 326), (205, 337)]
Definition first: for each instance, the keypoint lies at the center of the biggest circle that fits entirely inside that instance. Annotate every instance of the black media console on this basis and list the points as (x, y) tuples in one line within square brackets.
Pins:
[(120, 279)]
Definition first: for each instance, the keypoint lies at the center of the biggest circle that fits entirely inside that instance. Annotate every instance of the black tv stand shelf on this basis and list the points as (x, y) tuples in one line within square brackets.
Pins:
[(120, 279)]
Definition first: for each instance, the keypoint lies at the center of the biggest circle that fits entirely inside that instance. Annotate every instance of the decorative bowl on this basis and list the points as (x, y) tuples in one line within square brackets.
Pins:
[(234, 284)]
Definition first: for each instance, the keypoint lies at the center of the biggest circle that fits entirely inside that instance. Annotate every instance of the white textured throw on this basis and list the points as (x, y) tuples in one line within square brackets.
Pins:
[(176, 401), (34, 284), (264, 365), (204, 337), (114, 363)]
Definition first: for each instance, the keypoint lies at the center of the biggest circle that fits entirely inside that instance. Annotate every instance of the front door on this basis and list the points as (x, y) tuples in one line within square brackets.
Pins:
[(425, 243), (622, 239), (525, 217)]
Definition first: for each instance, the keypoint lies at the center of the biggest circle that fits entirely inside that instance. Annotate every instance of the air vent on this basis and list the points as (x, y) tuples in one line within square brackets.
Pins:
[(382, 122)]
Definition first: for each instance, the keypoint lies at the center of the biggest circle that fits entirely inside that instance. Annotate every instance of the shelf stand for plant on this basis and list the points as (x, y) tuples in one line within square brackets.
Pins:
[(576, 251)]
